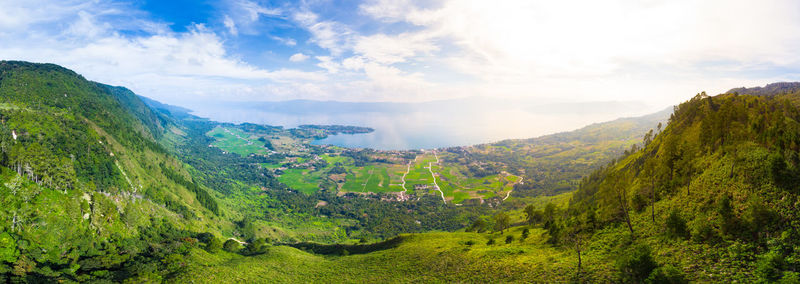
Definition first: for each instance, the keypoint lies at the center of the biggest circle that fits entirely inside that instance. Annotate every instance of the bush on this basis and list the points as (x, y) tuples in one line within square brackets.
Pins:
[(478, 226), (213, 245), (525, 233), (231, 246), (759, 217), (729, 224), (490, 242), (790, 277), (509, 239), (667, 274), (770, 266), (676, 226), (636, 264), (257, 246), (702, 231)]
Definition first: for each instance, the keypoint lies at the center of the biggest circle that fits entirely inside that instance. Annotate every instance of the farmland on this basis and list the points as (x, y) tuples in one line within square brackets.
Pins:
[(308, 168)]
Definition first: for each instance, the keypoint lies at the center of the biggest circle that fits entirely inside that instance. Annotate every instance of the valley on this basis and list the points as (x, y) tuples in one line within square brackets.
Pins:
[(99, 185)]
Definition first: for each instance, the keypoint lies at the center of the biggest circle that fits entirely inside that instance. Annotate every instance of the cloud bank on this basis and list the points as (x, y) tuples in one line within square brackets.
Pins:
[(656, 51)]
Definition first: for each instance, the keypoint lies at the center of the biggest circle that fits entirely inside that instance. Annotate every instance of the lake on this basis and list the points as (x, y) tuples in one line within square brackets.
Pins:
[(402, 126)]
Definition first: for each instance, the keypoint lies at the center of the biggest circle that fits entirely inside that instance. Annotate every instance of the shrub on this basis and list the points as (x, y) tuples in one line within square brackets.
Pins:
[(469, 243), (509, 239), (702, 231), (490, 242), (257, 246), (790, 277), (667, 274), (769, 266), (729, 222), (525, 233), (231, 246), (635, 264), (478, 226), (213, 245), (759, 217), (676, 226)]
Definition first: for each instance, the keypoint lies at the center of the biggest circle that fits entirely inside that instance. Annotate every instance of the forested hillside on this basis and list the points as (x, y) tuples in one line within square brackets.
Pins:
[(87, 192), (714, 195)]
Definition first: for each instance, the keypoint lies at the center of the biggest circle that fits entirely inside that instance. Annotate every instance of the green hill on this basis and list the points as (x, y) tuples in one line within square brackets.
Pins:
[(87, 191)]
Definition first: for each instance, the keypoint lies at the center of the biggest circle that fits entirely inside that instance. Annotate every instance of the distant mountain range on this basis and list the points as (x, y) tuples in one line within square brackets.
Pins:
[(452, 105)]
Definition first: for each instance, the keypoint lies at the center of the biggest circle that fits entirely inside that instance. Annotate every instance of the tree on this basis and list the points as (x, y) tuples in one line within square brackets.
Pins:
[(532, 216), (650, 175), (576, 235), (501, 222), (620, 190), (478, 226)]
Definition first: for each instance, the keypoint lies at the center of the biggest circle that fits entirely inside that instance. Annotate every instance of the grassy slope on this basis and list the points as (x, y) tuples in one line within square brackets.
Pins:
[(430, 257)]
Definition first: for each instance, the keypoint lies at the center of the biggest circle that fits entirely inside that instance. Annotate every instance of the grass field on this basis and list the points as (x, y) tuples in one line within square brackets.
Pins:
[(371, 179), (236, 141), (303, 180), (457, 185), (429, 257)]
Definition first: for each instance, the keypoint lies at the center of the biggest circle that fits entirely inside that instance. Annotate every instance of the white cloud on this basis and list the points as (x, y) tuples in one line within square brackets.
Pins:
[(658, 50), (329, 35), (387, 49), (244, 16), (228, 22), (387, 10), (174, 67), (619, 49), (286, 41), (298, 57), (327, 63)]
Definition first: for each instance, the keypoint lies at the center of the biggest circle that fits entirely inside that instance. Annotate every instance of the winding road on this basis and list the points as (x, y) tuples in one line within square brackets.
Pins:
[(512, 188), (435, 185), (408, 170)]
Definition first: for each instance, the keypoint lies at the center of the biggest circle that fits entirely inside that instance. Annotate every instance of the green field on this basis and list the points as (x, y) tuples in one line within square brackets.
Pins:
[(454, 179), (303, 180), (236, 141), (430, 257), (370, 179), (457, 185)]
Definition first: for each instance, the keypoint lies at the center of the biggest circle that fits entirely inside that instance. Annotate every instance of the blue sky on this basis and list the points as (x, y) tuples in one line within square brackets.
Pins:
[(659, 52)]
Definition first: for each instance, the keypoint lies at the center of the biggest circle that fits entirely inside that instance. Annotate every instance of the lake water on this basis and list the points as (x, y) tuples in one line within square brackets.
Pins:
[(425, 125)]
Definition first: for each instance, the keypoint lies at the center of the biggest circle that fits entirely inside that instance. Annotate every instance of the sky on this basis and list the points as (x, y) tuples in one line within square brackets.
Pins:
[(652, 51)]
